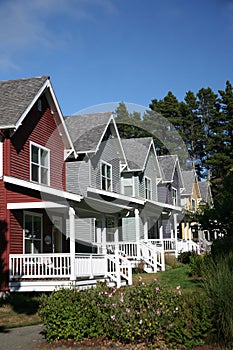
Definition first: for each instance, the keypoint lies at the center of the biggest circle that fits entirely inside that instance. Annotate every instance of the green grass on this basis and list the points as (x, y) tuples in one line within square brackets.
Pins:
[(172, 278)]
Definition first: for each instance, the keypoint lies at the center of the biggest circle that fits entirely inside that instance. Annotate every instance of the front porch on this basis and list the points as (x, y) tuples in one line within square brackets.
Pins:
[(46, 272)]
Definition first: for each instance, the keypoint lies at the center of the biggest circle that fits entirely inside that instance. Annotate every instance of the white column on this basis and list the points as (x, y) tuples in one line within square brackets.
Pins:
[(116, 232), (72, 243), (137, 231), (145, 226), (175, 234), (104, 231)]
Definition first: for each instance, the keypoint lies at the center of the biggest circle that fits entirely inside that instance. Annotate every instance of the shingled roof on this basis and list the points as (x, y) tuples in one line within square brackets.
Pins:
[(189, 179), (136, 151), (167, 165), (87, 130), (16, 96)]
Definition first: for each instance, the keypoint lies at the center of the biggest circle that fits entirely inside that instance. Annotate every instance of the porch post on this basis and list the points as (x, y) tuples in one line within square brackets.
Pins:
[(145, 224), (163, 244), (72, 243), (137, 231), (175, 234), (104, 232), (116, 233)]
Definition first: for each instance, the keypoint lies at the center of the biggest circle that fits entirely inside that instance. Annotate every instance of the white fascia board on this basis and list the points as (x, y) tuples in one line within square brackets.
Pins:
[(116, 195), (119, 139), (42, 188), (29, 107), (10, 126), (34, 205), (165, 206), (58, 110)]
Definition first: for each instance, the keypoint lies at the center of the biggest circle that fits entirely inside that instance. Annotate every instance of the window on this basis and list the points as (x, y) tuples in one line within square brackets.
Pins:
[(174, 196), (39, 164), (147, 188), (193, 204), (106, 177), (32, 232), (128, 190)]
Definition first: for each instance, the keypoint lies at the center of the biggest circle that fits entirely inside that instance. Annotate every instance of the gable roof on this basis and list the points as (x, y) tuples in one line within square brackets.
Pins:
[(18, 97), (136, 151), (168, 165), (189, 177), (87, 130), (205, 191)]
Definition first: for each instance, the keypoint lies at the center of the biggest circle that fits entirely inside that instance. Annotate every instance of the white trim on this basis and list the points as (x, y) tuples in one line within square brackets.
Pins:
[(33, 214), (29, 107), (173, 189), (146, 189), (102, 162), (34, 205), (116, 195), (39, 162), (42, 188)]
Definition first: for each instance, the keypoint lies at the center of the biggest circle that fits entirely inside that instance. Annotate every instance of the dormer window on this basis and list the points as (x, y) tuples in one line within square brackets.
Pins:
[(148, 188), (106, 176), (174, 196), (39, 164)]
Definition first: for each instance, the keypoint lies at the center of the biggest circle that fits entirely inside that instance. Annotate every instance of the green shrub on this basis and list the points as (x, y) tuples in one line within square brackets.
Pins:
[(142, 313), (196, 265), (170, 260), (221, 247), (184, 257), (218, 284)]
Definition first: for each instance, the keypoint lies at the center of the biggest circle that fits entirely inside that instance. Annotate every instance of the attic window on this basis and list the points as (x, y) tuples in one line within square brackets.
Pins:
[(39, 105)]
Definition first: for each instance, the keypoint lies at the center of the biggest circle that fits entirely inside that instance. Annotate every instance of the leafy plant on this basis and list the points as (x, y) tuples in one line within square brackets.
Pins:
[(218, 284), (142, 313)]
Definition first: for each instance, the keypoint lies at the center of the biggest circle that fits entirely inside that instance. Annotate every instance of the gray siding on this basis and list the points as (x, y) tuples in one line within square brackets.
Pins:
[(77, 176), (109, 153), (150, 172)]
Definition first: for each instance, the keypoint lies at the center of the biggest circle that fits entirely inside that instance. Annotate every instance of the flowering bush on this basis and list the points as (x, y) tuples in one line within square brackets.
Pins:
[(142, 313)]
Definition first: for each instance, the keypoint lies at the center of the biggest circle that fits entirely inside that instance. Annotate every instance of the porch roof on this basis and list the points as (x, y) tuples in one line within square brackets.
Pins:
[(48, 194), (153, 208)]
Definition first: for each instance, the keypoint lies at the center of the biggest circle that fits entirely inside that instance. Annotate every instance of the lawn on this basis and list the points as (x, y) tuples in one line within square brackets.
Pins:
[(21, 308)]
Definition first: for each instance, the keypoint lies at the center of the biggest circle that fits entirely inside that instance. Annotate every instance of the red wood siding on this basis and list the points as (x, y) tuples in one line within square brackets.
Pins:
[(38, 127)]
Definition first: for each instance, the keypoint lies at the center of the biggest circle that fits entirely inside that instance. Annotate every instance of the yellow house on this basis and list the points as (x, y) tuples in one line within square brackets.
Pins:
[(190, 199)]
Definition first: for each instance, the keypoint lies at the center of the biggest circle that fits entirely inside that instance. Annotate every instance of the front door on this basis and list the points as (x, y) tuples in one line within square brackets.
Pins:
[(32, 232)]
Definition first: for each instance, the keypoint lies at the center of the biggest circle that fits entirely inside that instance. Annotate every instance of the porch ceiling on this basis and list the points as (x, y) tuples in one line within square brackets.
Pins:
[(96, 207)]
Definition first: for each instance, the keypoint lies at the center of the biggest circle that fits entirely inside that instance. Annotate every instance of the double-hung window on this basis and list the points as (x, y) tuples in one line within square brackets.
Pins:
[(147, 188), (106, 176), (174, 196), (39, 164)]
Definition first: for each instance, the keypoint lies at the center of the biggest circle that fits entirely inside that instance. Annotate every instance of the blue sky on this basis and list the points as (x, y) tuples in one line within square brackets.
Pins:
[(102, 51)]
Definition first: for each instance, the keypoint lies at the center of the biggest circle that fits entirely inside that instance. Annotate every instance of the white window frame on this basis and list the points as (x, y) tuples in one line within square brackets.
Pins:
[(39, 164), (105, 177), (174, 198), (33, 214), (128, 183), (148, 188)]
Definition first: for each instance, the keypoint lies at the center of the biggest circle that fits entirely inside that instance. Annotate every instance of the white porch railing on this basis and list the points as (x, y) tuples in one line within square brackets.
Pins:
[(168, 244), (153, 255), (39, 266), (58, 266), (187, 246)]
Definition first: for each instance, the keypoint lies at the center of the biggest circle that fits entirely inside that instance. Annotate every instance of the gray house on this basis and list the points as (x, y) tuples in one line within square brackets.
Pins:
[(96, 174)]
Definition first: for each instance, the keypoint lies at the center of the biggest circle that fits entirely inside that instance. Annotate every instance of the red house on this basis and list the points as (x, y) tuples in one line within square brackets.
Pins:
[(34, 204)]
